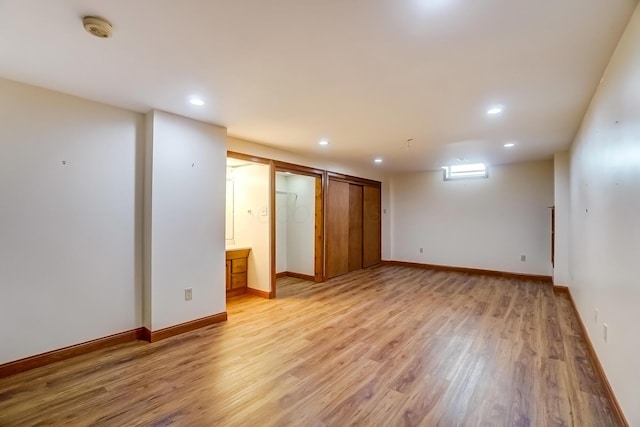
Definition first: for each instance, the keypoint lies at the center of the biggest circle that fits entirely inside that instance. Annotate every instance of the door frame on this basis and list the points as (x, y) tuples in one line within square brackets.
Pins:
[(272, 186)]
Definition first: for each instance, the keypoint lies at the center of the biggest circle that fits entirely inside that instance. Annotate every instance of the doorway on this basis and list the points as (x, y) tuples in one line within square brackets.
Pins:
[(247, 231), (298, 225)]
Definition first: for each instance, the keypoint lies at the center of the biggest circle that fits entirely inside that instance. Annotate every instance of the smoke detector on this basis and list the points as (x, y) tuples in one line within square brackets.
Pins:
[(97, 26)]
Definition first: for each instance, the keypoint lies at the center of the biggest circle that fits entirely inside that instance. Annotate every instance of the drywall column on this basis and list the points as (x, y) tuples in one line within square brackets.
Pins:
[(386, 220), (562, 205), (184, 220)]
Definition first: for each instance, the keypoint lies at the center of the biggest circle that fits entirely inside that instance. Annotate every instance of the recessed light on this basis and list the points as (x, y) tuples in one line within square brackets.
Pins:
[(197, 102), (323, 142), (378, 160), (509, 145), (495, 110)]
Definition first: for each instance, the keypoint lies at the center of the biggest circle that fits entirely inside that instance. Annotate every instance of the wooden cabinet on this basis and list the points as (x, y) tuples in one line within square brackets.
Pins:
[(236, 280)]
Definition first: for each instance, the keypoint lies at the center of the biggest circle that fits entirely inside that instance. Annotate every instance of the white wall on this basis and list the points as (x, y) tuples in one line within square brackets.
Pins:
[(561, 183), (605, 220), (282, 201), (481, 223), (386, 219), (301, 224), (187, 219), (252, 223), (70, 267)]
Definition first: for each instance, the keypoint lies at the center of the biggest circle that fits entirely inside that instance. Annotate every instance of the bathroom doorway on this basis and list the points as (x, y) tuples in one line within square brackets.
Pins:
[(247, 228)]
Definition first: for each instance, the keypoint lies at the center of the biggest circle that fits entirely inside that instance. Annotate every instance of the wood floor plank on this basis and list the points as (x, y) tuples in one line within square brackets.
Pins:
[(383, 346)]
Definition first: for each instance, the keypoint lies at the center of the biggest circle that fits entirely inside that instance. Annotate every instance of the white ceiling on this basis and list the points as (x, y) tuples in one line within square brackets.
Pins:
[(366, 74)]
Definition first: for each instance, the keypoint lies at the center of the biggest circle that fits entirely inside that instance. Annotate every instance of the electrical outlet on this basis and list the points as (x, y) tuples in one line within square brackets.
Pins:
[(595, 316), (523, 257), (188, 294), (604, 331), (421, 250)]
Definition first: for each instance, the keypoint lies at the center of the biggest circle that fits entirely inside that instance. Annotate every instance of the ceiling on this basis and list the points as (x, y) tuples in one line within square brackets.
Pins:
[(365, 74)]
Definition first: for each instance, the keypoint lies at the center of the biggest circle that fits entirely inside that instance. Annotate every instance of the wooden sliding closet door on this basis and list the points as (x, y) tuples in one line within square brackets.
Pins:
[(371, 226), (352, 225), (355, 227), (337, 230)]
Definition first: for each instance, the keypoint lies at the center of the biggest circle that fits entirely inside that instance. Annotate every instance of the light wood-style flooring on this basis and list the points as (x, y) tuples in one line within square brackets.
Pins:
[(384, 346)]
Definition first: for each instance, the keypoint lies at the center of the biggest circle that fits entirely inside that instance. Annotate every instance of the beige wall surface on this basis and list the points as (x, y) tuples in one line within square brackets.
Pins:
[(70, 220), (605, 220), (478, 223)]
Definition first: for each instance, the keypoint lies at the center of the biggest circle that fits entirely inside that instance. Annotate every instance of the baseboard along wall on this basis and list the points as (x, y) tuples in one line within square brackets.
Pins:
[(143, 334), (539, 277), (617, 409)]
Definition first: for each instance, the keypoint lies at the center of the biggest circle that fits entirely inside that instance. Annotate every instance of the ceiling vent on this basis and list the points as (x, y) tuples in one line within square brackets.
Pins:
[(97, 26)]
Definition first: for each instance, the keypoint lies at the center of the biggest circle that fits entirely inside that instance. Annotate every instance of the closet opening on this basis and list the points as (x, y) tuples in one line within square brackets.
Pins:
[(298, 225)]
